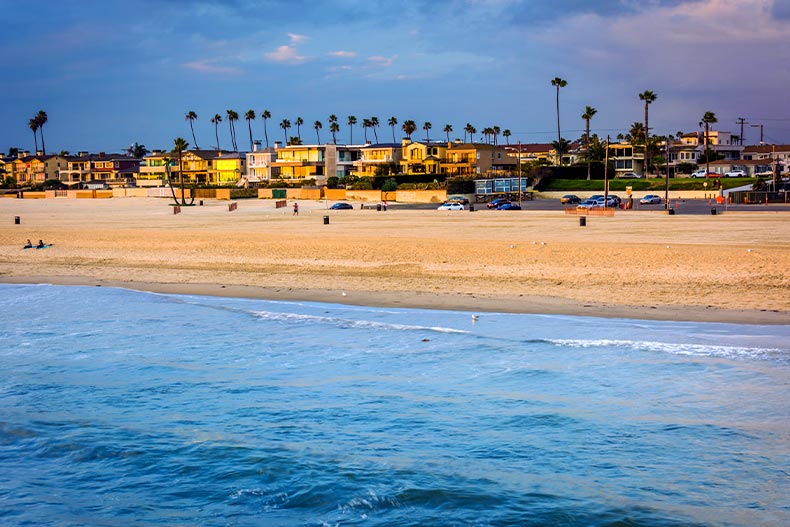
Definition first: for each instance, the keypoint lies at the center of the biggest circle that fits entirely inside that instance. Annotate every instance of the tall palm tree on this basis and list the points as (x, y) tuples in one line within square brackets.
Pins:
[(351, 122), (250, 116), (334, 127), (559, 83), (266, 115), (285, 124), (427, 126), (495, 132), (468, 130), (317, 125), (41, 120), (233, 116), (588, 114), (472, 132), (374, 123), (637, 132), (191, 116), (33, 125), (408, 128), (708, 119), (365, 125), (647, 96), (447, 129), (392, 122), (299, 123), (180, 145), (506, 133), (215, 121)]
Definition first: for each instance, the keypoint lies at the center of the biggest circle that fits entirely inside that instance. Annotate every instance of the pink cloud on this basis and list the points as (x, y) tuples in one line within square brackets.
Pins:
[(284, 54), (204, 66)]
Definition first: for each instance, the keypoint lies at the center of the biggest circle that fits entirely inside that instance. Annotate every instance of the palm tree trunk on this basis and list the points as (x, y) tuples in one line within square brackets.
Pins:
[(587, 139), (265, 133), (559, 135), (193, 135), (249, 127), (647, 154), (216, 133), (43, 148), (35, 138)]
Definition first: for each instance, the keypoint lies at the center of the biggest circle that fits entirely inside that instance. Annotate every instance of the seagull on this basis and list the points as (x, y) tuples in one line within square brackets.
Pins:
[(669, 246), (748, 250), (343, 293), (475, 318)]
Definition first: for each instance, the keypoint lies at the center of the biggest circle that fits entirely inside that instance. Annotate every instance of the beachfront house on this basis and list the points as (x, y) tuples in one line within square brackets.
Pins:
[(466, 159), (378, 157), (422, 157), (297, 163), (627, 157), (110, 169), (260, 165), (201, 167), (33, 170)]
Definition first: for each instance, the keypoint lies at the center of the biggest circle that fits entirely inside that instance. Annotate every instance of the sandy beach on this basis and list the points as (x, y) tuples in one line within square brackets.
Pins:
[(730, 268)]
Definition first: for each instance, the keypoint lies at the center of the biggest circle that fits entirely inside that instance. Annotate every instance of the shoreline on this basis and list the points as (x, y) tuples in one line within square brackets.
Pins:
[(523, 304)]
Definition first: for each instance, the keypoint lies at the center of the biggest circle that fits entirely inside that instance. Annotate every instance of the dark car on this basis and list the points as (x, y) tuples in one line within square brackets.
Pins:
[(341, 206), (459, 199), (570, 199), (497, 202), (509, 206)]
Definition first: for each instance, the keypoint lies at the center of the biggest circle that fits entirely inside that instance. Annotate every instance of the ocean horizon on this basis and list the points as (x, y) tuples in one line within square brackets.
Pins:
[(123, 407)]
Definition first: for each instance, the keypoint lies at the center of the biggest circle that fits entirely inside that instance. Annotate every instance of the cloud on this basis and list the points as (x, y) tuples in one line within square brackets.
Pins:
[(343, 54), (296, 39), (383, 62), (204, 66), (284, 54)]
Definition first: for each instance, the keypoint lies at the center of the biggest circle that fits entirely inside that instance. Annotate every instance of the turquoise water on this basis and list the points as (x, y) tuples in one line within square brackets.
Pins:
[(123, 408)]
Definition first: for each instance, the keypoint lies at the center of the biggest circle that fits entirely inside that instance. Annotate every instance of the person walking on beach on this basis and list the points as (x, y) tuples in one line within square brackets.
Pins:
[(296, 209)]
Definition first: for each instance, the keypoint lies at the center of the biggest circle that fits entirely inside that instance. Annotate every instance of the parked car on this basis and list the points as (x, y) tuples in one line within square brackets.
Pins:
[(570, 199), (735, 173), (616, 199), (650, 199), (509, 206), (497, 202), (703, 173), (341, 206), (607, 202), (629, 175), (459, 199), (588, 204), (450, 205)]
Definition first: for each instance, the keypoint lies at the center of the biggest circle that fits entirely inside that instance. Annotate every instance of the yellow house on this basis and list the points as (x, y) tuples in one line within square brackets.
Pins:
[(298, 162), (374, 156), (203, 167), (422, 157), (228, 168), (153, 169), (32, 170), (464, 159)]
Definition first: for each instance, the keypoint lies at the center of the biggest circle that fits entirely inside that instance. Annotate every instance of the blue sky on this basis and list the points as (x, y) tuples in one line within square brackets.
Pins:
[(112, 73)]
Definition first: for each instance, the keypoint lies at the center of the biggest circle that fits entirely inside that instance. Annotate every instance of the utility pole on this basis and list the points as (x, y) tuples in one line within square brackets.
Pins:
[(606, 174), (741, 122), (761, 131), (519, 172)]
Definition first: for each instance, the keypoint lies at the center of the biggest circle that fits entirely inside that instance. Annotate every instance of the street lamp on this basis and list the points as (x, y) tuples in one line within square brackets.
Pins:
[(760, 126)]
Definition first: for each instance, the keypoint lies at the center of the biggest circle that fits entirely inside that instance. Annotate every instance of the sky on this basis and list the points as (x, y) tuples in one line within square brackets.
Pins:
[(112, 73)]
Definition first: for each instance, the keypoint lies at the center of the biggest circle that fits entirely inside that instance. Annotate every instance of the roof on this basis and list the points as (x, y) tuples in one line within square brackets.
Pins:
[(765, 149), (534, 148)]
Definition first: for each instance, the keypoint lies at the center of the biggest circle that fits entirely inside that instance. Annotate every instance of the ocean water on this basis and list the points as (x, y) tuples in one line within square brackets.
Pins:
[(125, 408)]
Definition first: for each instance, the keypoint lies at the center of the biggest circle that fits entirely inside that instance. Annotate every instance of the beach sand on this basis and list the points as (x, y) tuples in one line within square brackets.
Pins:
[(732, 267)]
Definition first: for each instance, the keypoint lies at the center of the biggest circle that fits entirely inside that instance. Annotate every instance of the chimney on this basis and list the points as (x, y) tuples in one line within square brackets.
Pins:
[(82, 154), (256, 145), (278, 144)]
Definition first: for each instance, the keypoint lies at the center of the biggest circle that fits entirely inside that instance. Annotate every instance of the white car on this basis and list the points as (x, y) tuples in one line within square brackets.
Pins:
[(629, 175), (451, 206), (650, 199), (699, 173), (735, 173)]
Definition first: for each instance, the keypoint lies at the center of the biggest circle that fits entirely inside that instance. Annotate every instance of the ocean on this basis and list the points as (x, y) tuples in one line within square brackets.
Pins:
[(127, 408)]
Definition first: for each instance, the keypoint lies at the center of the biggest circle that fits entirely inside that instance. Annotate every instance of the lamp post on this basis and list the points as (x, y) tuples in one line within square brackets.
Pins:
[(606, 174), (760, 126), (666, 178), (519, 172)]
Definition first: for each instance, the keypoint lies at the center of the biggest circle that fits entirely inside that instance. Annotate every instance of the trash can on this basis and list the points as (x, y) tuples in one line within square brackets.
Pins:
[(201, 202), (671, 211), (582, 221), (326, 220), (378, 207), (713, 211), (17, 220), (471, 207)]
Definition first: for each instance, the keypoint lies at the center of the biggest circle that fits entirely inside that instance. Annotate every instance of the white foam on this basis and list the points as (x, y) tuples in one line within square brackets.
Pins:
[(345, 323), (699, 350)]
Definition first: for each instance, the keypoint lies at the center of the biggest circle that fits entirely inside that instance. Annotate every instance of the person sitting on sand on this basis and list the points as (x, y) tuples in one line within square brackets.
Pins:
[(28, 245), (40, 244)]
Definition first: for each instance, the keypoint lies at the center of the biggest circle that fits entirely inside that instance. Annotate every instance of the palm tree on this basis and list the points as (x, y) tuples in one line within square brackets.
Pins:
[(374, 123), (408, 128), (647, 96), (468, 130), (506, 134), (447, 129), (334, 127), (392, 122), (472, 132), (559, 83), (317, 125), (427, 126), (708, 119), (561, 147), (191, 116), (215, 121), (250, 116), (285, 124), (41, 119), (495, 132), (637, 132), (299, 123), (365, 125), (351, 122), (233, 116), (33, 125), (588, 114), (180, 145), (265, 115)]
